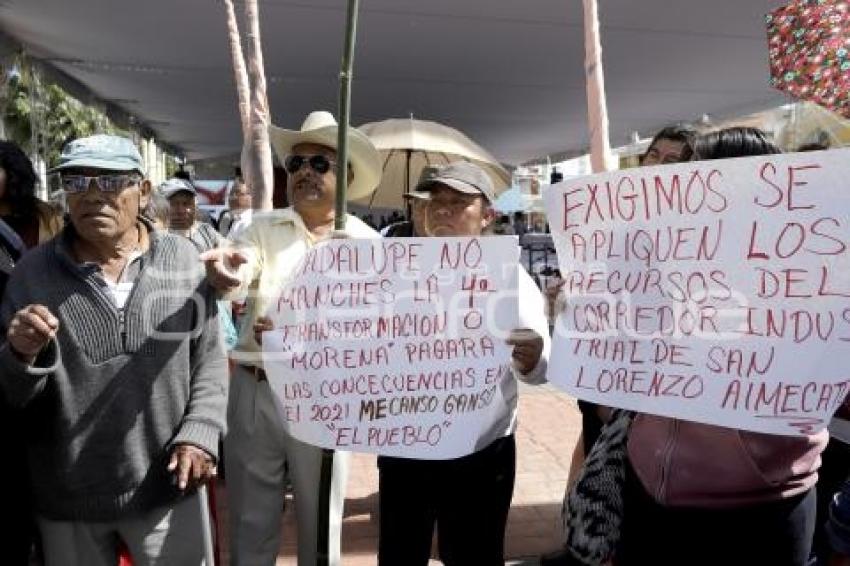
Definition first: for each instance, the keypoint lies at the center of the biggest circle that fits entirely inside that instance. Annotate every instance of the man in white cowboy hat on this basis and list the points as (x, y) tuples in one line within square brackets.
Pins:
[(262, 259)]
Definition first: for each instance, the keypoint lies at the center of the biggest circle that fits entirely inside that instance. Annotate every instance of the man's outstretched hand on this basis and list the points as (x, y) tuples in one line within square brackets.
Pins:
[(221, 265)]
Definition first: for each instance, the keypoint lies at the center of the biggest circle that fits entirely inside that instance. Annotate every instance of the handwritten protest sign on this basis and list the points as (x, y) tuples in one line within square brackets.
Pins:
[(715, 291), (395, 346)]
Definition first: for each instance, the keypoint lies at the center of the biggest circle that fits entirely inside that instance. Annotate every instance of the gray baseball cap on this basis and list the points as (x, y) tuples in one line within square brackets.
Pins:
[(461, 176), (417, 195), (172, 186), (102, 151)]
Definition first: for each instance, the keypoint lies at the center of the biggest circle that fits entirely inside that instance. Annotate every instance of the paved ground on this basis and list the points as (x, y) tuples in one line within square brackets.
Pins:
[(549, 424)]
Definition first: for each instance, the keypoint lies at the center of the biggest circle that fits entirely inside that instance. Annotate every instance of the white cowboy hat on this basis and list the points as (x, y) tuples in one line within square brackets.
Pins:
[(321, 128)]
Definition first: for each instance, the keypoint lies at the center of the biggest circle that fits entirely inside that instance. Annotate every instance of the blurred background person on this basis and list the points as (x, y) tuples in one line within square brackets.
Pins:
[(672, 144), (183, 218), (31, 218), (158, 211), (239, 211)]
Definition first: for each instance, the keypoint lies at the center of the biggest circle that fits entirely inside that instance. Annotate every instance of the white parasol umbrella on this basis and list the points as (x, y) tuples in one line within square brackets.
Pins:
[(407, 146), (514, 200)]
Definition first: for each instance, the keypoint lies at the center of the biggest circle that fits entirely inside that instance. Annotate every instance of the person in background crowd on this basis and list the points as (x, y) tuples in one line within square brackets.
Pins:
[(126, 418), (466, 498), (181, 207), (183, 175), (32, 219), (257, 444), (503, 226), (370, 221), (17, 526), (158, 211), (417, 201), (672, 144), (719, 495), (201, 215), (25, 222), (412, 227), (813, 146), (520, 224), (555, 176), (239, 211), (182, 202)]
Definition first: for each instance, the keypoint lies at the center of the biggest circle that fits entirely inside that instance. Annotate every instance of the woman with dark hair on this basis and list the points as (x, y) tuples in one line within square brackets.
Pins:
[(672, 144), (703, 494), (33, 220), (733, 142)]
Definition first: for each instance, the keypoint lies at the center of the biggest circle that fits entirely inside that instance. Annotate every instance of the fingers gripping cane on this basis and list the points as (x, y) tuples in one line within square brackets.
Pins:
[(206, 526)]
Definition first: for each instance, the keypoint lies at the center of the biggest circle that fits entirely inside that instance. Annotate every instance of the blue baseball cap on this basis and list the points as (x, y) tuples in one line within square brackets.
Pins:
[(101, 152)]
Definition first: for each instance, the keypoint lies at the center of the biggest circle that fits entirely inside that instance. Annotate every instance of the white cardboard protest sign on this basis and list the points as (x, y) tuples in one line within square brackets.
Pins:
[(395, 346), (712, 291)]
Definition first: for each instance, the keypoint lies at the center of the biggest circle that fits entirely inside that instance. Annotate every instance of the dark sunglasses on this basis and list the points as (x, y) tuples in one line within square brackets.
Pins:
[(318, 163), (74, 184)]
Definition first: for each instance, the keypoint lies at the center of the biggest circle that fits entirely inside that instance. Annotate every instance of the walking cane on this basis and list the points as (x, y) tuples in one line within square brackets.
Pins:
[(206, 526)]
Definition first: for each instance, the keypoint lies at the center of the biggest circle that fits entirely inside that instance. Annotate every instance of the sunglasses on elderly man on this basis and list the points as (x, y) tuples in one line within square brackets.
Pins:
[(318, 163), (75, 184)]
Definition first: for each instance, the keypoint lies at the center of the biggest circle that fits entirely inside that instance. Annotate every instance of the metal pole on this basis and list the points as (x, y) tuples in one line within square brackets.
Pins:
[(345, 76), (206, 526)]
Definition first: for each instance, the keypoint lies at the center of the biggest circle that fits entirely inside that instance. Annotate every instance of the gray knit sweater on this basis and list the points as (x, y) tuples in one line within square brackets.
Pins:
[(117, 389)]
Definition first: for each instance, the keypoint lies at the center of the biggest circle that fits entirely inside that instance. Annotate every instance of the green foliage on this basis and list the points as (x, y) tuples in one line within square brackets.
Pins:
[(171, 166), (59, 117)]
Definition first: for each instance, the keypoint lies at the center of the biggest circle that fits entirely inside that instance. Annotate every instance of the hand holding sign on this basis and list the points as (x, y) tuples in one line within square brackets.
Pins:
[(261, 325), (528, 347)]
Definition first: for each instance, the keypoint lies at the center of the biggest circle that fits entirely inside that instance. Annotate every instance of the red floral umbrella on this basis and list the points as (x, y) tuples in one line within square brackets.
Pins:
[(809, 43)]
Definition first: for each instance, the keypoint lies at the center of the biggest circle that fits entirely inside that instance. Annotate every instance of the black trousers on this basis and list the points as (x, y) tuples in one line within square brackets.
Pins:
[(834, 469), (777, 533), (467, 498)]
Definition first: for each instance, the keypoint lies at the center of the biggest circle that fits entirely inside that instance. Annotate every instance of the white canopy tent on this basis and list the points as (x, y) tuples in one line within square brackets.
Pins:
[(508, 74)]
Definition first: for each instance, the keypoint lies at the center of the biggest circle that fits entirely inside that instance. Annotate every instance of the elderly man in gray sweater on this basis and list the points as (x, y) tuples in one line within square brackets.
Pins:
[(111, 342)]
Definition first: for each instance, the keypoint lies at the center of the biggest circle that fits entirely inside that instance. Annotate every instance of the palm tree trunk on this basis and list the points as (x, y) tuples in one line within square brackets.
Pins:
[(243, 87), (601, 158), (259, 155)]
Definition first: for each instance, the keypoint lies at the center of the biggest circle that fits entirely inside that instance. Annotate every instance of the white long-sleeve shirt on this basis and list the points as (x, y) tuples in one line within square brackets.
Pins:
[(533, 316)]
